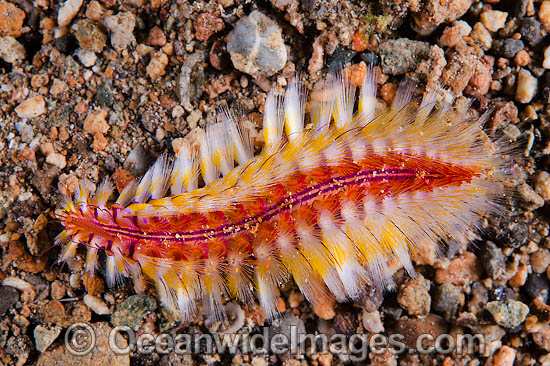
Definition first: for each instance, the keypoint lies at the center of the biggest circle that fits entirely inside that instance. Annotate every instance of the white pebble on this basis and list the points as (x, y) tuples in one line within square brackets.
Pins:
[(493, 20), (68, 11), (178, 111), (32, 107), (482, 35), (56, 159), (86, 57), (58, 87), (542, 184), (75, 280), (97, 305), (25, 196), (87, 74), (157, 65), (526, 87), (18, 283), (194, 118), (546, 62), (11, 50), (45, 336), (372, 322), (464, 27), (121, 26), (25, 131)]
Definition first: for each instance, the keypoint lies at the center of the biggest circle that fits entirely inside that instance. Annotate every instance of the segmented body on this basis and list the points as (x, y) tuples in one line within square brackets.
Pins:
[(330, 207)]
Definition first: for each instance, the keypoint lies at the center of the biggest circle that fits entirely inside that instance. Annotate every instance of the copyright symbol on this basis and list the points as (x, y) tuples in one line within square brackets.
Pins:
[(80, 339)]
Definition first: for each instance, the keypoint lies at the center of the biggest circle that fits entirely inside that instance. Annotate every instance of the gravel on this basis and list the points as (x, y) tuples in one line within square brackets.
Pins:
[(526, 87), (493, 20), (11, 50), (121, 26), (537, 286), (68, 11), (100, 89), (402, 55), (256, 45), (131, 312), (44, 336), (509, 313), (546, 61), (531, 31), (8, 297), (32, 107), (509, 47), (493, 260), (447, 300)]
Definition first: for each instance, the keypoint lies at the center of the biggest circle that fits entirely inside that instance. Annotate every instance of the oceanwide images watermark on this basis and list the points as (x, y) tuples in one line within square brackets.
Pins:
[(80, 340)]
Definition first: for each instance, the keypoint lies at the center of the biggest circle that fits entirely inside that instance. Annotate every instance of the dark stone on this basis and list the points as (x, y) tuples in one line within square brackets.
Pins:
[(537, 286), (413, 328), (546, 90), (513, 234), (136, 162), (289, 330), (508, 47), (218, 56), (345, 324), (104, 96), (340, 57), (371, 298), (447, 300), (370, 58), (537, 70), (531, 31), (467, 319), (4, 332), (149, 120), (546, 95), (8, 297), (519, 8), (478, 297), (493, 260), (197, 82), (501, 293), (66, 44)]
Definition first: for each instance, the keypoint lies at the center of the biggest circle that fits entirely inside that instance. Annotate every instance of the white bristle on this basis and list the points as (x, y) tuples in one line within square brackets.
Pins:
[(295, 98), (239, 138), (185, 171), (273, 119), (208, 169), (143, 190), (221, 150), (404, 94), (367, 98), (128, 193), (160, 179), (322, 109), (343, 101)]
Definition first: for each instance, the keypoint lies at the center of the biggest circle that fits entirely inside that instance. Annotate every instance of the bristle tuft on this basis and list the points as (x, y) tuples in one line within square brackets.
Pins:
[(294, 105), (274, 120), (343, 101), (367, 98)]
